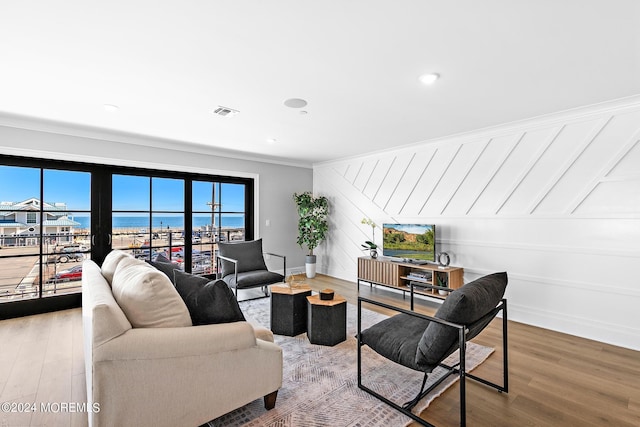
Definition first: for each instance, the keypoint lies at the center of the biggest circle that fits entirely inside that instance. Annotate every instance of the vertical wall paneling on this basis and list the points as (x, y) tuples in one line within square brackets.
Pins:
[(554, 201)]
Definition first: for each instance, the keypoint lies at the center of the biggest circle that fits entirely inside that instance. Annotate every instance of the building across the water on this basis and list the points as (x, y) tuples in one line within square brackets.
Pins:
[(20, 223)]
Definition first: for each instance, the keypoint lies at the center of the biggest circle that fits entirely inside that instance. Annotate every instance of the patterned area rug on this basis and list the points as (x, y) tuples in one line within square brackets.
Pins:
[(320, 388)]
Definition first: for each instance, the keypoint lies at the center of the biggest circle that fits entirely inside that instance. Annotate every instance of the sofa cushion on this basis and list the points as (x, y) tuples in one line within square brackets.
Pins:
[(111, 262), (463, 306), (248, 254), (147, 296), (208, 301)]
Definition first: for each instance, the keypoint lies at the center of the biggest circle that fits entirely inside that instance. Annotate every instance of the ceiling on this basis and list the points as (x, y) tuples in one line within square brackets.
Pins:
[(167, 65)]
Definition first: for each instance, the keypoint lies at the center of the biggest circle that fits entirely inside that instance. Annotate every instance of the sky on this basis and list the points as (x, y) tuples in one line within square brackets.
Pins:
[(410, 228), (131, 193)]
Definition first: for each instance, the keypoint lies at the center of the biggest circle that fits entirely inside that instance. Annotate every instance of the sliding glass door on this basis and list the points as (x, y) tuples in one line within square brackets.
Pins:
[(44, 231), (54, 215), (149, 217)]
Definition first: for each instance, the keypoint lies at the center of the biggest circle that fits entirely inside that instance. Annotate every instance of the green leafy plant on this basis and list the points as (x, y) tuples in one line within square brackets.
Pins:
[(312, 225)]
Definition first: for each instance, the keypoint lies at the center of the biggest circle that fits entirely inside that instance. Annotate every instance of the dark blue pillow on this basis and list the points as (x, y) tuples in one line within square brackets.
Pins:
[(208, 301)]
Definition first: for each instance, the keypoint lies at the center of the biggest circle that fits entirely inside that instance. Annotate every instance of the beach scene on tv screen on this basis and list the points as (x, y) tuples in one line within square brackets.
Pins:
[(409, 241)]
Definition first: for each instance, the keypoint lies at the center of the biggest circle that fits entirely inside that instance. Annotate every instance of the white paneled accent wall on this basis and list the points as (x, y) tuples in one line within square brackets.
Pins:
[(553, 201)]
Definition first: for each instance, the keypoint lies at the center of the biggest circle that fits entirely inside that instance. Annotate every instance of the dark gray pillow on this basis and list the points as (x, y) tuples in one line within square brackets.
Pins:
[(163, 264), (162, 258), (208, 301), (463, 306), (248, 254)]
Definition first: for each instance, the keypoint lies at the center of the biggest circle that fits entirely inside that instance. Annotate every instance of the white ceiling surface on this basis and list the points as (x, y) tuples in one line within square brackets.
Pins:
[(168, 64)]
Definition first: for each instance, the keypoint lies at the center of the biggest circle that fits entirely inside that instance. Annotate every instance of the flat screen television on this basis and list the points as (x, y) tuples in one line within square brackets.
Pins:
[(409, 242)]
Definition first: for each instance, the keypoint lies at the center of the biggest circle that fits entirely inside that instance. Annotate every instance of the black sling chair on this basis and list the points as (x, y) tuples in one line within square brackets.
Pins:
[(422, 342), (241, 265)]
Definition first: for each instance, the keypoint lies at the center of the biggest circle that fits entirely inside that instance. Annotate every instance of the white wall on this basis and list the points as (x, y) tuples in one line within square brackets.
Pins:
[(275, 182), (554, 201)]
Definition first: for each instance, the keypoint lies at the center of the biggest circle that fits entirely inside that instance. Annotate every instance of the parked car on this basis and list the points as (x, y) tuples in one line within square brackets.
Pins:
[(74, 248), (73, 273), (65, 257)]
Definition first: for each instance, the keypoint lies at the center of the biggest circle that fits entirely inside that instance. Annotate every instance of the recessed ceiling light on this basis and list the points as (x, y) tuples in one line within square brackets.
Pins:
[(271, 140), (428, 79), (295, 103), (110, 107)]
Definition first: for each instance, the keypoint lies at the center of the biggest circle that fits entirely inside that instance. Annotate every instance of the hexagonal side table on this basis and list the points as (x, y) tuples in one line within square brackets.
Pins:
[(289, 309), (326, 320)]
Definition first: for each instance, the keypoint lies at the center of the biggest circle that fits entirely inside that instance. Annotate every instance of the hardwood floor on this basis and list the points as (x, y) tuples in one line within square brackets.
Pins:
[(555, 379), (42, 361)]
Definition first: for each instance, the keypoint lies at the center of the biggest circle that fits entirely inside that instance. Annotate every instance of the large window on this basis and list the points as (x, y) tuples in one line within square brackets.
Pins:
[(60, 213), (219, 215), (149, 217), (43, 243)]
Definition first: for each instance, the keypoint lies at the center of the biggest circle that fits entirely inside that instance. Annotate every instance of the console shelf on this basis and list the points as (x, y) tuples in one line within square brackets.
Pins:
[(425, 279)]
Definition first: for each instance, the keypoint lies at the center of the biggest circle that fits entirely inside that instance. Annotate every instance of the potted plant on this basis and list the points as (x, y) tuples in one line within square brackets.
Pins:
[(442, 282), (312, 225), (370, 245)]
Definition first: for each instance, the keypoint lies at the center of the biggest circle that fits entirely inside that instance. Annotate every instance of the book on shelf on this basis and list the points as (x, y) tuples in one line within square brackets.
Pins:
[(420, 275)]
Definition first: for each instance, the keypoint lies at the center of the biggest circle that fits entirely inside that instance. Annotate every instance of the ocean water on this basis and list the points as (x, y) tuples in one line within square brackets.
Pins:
[(176, 223)]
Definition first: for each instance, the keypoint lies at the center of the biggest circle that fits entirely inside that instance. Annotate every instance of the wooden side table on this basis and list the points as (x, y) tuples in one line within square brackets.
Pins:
[(326, 320), (289, 309)]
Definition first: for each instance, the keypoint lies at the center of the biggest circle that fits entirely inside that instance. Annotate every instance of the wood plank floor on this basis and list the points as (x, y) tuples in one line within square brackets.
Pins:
[(555, 379)]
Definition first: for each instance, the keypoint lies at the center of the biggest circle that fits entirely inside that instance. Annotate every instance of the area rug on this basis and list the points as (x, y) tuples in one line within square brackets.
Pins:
[(320, 386)]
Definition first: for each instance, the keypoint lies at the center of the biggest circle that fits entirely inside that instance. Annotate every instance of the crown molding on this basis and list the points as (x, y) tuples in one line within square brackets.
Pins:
[(76, 130)]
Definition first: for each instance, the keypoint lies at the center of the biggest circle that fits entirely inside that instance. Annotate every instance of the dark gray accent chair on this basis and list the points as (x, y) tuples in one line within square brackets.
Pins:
[(241, 265), (423, 342)]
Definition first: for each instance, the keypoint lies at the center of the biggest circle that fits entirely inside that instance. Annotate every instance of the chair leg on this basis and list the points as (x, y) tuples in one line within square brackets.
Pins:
[(270, 400), (410, 404)]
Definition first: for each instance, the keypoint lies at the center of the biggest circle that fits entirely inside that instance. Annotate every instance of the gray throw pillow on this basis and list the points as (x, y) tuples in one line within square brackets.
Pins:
[(463, 306), (248, 254), (162, 258), (208, 301), (166, 267)]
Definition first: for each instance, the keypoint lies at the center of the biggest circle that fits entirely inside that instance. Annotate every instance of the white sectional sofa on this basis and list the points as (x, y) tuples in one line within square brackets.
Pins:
[(167, 374)]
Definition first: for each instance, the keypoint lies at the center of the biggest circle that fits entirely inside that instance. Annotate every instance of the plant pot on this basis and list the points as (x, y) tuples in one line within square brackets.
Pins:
[(310, 265), (373, 253), (441, 292)]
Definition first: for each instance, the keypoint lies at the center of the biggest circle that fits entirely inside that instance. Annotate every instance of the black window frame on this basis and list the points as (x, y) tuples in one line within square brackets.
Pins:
[(101, 217)]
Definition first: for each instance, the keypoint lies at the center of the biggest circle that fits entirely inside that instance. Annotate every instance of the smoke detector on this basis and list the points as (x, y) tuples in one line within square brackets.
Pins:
[(225, 111)]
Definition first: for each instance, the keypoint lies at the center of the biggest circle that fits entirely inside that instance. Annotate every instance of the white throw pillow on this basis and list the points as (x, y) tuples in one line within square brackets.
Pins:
[(110, 263), (147, 297)]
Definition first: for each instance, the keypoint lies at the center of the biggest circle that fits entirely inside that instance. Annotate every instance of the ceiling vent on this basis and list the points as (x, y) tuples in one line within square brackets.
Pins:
[(225, 111)]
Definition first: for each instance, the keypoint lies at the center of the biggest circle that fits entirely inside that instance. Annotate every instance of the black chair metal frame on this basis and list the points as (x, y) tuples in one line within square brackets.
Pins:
[(265, 287), (459, 369)]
